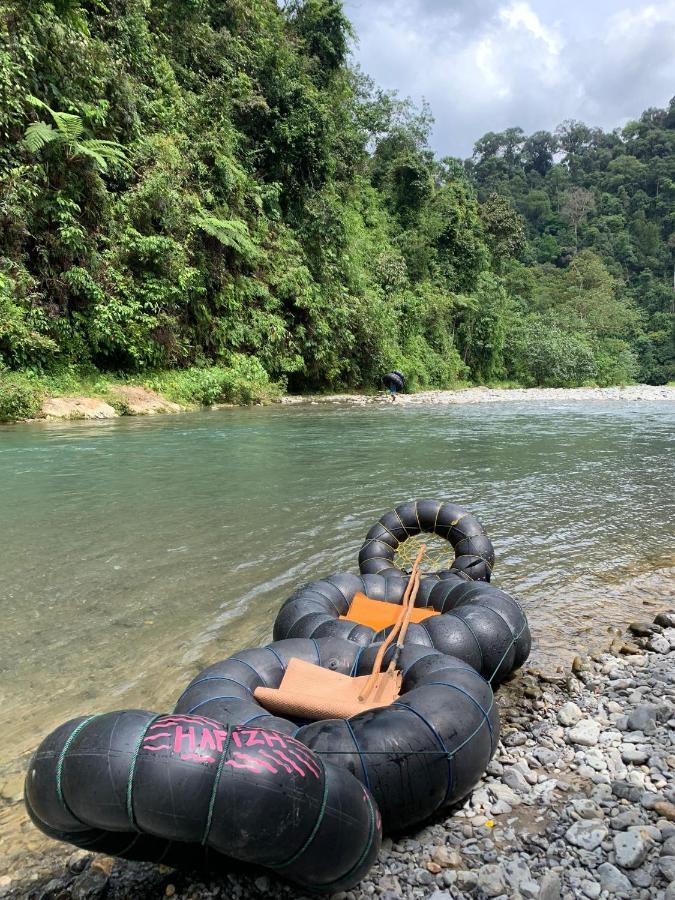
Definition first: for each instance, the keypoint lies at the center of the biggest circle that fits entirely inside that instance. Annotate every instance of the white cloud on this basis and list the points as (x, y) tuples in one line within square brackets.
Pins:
[(486, 65)]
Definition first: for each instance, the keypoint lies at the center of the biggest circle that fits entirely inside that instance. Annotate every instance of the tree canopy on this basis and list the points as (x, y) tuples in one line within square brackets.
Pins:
[(184, 182)]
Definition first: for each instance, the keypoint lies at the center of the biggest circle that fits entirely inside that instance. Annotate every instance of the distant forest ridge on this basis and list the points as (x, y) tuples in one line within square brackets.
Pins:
[(190, 183)]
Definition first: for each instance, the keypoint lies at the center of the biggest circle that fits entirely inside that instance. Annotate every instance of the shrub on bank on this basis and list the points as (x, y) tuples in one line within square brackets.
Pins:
[(19, 398), (243, 381)]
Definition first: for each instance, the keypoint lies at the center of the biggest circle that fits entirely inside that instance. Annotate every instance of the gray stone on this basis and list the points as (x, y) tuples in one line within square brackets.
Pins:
[(91, 884), (515, 779), (569, 714), (591, 889), (440, 895), (491, 880), (545, 756), (587, 834), (613, 881), (585, 733), (670, 892), (659, 644), (667, 866), (587, 809), (666, 619), (446, 857), (636, 757), (515, 739), (625, 791), (630, 849), (466, 880), (549, 887), (643, 718), (668, 847), (516, 870)]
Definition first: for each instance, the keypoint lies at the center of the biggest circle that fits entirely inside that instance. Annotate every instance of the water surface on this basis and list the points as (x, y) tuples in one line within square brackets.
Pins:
[(137, 551)]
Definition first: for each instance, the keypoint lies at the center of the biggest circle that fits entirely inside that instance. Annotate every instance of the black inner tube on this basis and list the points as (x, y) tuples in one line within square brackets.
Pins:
[(474, 553), (188, 790), (479, 623), (424, 752)]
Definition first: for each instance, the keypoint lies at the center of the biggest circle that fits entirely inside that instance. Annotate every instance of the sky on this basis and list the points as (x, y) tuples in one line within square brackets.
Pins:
[(487, 65)]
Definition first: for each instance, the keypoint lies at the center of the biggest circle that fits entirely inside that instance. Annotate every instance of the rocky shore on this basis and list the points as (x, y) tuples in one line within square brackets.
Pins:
[(578, 802), (631, 393), (130, 400)]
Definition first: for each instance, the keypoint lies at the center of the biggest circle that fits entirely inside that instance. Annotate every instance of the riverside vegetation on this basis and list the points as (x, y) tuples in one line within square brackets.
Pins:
[(209, 199)]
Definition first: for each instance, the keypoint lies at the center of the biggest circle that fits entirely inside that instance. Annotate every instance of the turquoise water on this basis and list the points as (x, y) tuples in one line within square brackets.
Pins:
[(136, 551)]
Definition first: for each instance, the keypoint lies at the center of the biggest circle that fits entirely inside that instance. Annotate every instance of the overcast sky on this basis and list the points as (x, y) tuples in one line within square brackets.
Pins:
[(486, 65)]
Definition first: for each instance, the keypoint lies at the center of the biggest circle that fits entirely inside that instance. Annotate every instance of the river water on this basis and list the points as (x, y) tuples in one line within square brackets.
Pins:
[(137, 551)]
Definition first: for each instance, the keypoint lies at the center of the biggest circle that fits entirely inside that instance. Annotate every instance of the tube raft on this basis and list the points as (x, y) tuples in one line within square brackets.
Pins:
[(470, 620), (425, 751), (474, 553), (188, 790)]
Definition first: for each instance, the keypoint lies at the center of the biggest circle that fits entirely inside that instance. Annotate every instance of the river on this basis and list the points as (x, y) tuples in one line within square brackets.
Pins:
[(137, 551)]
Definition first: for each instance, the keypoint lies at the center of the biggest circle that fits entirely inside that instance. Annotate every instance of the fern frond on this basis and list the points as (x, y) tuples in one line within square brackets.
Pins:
[(231, 233), (111, 151), (69, 125), (100, 162), (38, 135)]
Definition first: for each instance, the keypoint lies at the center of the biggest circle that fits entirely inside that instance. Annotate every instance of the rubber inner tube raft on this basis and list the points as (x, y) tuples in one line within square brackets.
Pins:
[(474, 553), (476, 622), (394, 380), (422, 753), (188, 790)]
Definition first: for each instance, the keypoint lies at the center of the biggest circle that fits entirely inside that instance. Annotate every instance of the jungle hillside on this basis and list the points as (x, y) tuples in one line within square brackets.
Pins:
[(208, 193)]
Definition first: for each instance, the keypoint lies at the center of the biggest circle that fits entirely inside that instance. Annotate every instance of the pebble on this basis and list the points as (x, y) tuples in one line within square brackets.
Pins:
[(585, 733), (630, 849), (491, 880), (578, 802), (587, 834), (642, 718), (569, 714), (613, 881)]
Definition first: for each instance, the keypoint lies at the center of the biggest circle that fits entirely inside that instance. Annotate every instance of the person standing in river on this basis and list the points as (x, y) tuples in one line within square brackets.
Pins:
[(395, 381)]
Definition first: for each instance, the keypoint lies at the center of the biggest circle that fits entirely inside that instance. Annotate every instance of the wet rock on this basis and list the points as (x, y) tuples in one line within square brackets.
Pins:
[(91, 884), (642, 629), (666, 619)]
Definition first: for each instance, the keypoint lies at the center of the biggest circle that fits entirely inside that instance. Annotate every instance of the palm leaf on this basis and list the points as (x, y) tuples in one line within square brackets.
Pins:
[(37, 135)]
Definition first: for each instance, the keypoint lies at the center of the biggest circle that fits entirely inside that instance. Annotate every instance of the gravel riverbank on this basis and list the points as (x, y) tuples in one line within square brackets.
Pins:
[(631, 393), (578, 802)]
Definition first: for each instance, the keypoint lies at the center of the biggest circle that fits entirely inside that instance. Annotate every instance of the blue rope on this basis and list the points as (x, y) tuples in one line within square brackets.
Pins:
[(440, 742), (475, 703), (276, 656), (358, 750), (210, 700)]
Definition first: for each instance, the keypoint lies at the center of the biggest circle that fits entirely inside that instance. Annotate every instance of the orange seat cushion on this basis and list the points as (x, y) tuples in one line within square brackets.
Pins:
[(377, 614)]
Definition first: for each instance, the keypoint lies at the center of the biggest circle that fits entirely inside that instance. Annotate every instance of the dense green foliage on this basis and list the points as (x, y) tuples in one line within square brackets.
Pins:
[(196, 183)]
